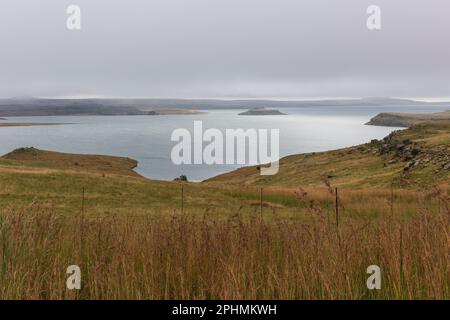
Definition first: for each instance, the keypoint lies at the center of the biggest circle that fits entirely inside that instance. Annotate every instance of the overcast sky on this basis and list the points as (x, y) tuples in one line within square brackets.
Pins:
[(282, 49)]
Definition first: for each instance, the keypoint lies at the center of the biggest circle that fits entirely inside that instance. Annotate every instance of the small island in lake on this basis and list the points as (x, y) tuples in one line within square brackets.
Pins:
[(165, 112), (261, 112)]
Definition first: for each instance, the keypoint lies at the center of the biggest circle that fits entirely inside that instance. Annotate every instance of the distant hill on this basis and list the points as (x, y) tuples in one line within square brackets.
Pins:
[(63, 107), (29, 106), (406, 119)]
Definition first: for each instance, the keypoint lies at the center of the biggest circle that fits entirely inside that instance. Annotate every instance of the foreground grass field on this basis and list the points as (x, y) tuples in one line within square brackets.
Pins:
[(191, 257), (239, 236)]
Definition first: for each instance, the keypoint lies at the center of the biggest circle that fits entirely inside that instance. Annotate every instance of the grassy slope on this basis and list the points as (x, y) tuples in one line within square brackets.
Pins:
[(34, 158), (56, 180), (355, 167)]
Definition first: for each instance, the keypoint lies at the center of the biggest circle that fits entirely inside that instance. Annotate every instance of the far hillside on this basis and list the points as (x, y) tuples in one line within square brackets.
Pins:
[(418, 156), (406, 119), (29, 106)]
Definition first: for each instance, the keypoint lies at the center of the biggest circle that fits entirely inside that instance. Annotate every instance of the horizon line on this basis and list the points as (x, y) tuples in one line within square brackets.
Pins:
[(299, 99)]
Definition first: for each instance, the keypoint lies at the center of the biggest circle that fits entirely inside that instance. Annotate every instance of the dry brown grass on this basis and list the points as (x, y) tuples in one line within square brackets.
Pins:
[(99, 164), (246, 256)]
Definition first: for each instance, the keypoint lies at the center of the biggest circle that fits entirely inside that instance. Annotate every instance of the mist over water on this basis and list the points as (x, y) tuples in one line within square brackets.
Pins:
[(148, 138)]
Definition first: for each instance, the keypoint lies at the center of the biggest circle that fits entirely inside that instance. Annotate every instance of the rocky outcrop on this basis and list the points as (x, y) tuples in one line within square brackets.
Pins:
[(411, 153)]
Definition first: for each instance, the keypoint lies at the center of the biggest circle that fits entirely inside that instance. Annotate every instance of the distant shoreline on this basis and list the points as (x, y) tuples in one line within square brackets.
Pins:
[(28, 124), (390, 119), (29, 107)]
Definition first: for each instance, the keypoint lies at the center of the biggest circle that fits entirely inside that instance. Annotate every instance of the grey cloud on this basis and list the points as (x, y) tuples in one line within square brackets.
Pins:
[(225, 48)]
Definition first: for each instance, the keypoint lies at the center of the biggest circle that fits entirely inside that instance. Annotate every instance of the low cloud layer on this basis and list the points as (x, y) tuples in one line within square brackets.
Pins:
[(225, 49)]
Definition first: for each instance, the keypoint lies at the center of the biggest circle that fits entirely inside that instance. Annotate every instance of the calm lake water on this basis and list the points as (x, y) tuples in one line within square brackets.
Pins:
[(147, 138)]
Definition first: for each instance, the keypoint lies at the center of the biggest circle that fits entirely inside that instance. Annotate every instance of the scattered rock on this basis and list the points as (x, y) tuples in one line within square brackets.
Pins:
[(415, 151), (407, 156), (405, 150), (409, 166)]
